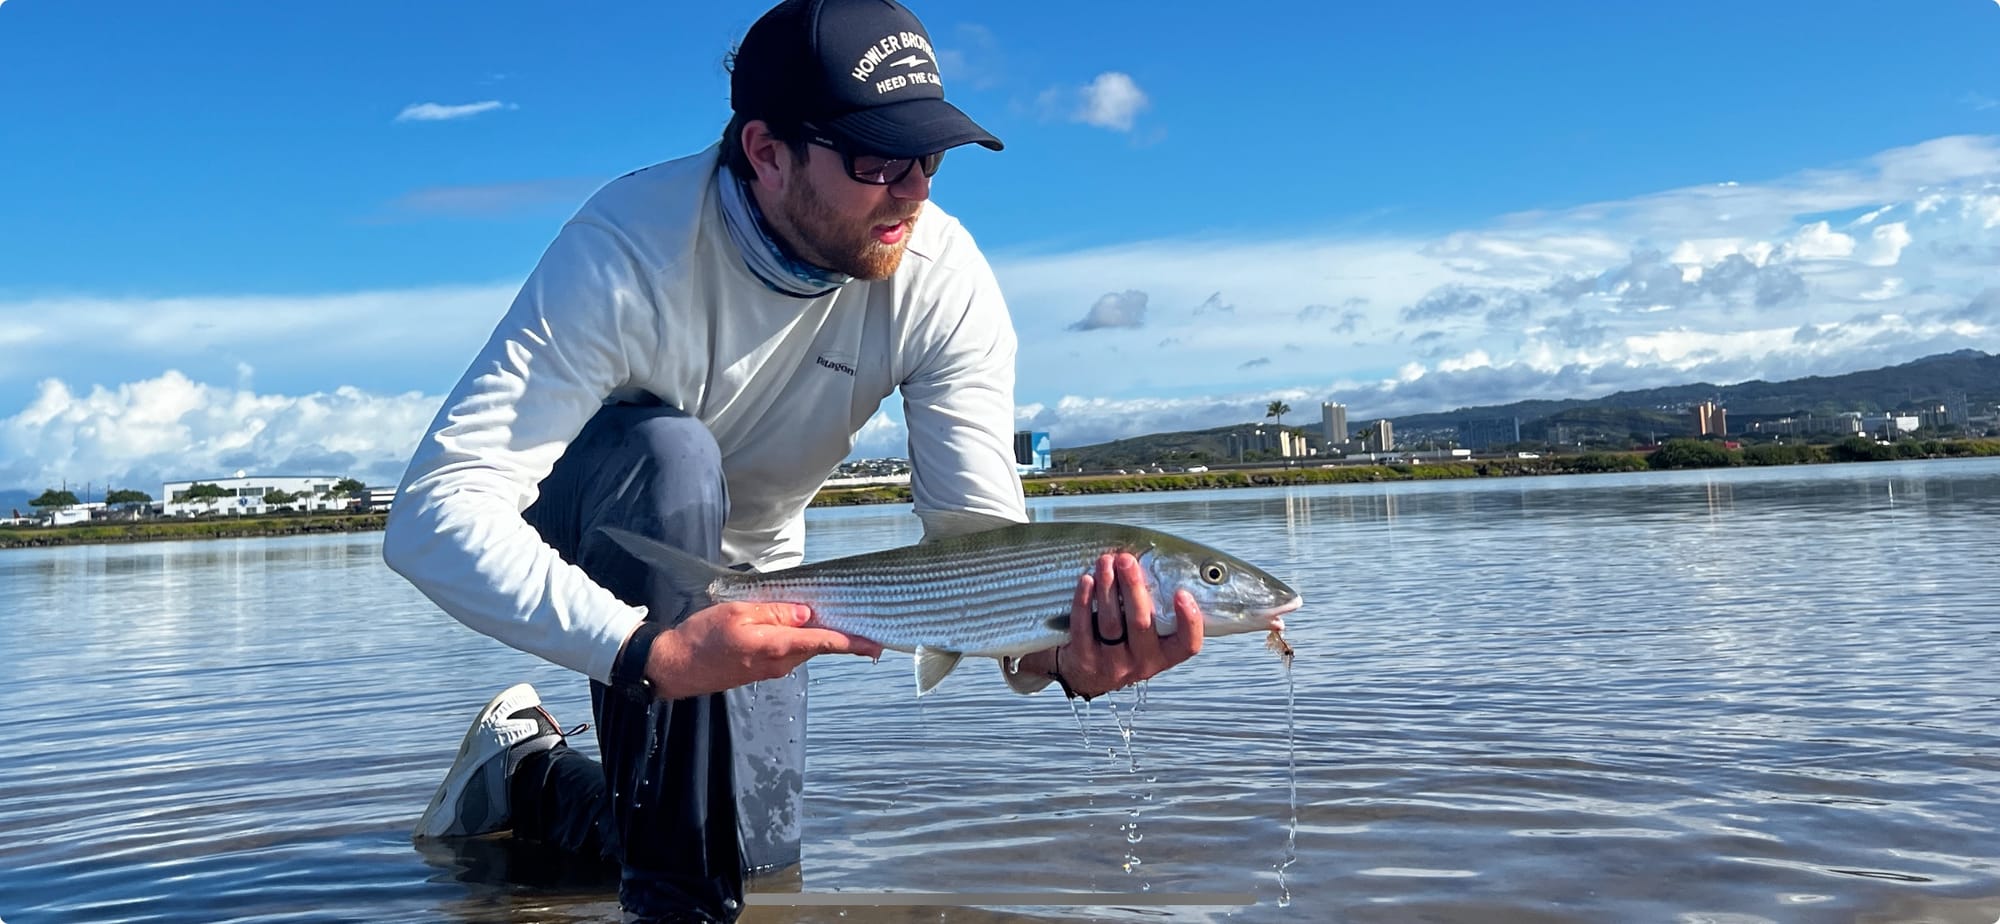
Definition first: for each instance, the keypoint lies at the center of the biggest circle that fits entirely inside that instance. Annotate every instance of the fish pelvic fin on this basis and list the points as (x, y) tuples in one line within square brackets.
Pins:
[(932, 665), (688, 575), (950, 524)]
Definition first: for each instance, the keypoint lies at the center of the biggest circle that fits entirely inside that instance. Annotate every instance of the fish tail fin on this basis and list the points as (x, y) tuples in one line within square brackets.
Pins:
[(688, 575)]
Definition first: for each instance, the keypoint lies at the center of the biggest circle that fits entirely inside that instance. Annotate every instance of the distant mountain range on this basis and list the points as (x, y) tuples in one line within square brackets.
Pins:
[(1930, 380), (1654, 413), (10, 500)]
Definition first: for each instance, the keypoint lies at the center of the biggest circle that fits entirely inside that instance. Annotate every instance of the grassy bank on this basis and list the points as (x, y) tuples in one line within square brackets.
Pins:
[(1067, 485), (13, 537), (1677, 454)]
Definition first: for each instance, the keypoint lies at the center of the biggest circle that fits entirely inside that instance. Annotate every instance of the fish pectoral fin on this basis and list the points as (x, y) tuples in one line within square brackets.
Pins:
[(1058, 623), (932, 666)]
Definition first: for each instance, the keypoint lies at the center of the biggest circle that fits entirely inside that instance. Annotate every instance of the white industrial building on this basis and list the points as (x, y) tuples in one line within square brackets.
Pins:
[(1890, 426), (245, 495)]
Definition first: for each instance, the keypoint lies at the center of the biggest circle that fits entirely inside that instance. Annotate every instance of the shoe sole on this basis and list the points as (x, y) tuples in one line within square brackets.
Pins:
[(477, 747)]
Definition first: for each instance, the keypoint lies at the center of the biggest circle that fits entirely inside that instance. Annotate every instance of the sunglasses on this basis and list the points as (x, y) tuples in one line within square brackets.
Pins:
[(874, 169)]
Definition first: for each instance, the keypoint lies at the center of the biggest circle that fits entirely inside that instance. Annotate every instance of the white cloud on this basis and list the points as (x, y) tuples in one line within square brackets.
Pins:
[(1112, 100), (171, 427), (442, 112), (1890, 288), (1115, 309), (1474, 360), (491, 199), (972, 57), (1818, 241), (882, 437), (1886, 244)]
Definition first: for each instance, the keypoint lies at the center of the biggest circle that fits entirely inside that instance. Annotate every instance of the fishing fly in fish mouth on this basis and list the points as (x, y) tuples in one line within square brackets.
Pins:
[(1010, 593)]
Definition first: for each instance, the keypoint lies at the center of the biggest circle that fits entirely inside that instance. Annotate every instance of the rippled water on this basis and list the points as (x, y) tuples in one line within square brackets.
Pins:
[(1707, 697)]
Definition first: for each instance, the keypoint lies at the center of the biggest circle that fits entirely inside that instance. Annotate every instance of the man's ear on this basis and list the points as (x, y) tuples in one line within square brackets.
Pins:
[(769, 156)]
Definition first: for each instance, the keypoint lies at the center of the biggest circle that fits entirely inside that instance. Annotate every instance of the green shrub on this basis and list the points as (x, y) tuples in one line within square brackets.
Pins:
[(1690, 454)]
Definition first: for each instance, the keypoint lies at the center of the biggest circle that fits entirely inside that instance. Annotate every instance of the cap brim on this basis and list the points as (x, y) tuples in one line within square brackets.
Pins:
[(911, 128)]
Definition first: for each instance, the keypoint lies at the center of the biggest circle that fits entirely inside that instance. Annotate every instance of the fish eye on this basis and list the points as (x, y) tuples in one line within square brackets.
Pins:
[(1214, 573)]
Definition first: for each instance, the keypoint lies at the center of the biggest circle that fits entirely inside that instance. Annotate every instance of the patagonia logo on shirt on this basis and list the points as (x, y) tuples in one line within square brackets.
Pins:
[(836, 364)]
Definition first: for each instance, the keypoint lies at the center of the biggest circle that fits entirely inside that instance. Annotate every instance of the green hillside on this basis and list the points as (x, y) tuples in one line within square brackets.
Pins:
[(1928, 380)]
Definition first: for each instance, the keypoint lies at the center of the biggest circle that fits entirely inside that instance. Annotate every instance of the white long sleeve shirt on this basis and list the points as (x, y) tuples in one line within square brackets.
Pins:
[(644, 291)]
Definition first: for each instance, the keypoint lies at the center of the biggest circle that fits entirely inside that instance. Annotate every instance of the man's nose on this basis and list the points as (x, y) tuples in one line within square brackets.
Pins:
[(913, 187)]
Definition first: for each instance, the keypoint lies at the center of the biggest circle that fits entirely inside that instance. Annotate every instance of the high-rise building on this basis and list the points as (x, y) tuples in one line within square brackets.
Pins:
[(1958, 411), (1488, 433), (1710, 419), (1257, 439), (1333, 422), (1379, 437), (1031, 449)]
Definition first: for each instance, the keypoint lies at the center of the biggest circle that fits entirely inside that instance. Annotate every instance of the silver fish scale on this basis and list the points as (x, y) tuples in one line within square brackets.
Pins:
[(966, 595)]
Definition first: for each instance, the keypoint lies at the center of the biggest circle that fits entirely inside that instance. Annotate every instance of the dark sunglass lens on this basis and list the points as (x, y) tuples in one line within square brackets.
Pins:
[(870, 168), (877, 170)]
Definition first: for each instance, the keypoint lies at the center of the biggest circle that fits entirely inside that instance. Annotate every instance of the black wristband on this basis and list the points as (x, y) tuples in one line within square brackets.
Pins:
[(1068, 691), (628, 670), (1055, 673)]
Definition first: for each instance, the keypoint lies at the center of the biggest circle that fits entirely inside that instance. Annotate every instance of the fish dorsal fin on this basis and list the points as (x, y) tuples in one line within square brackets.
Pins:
[(932, 665), (689, 576), (948, 524)]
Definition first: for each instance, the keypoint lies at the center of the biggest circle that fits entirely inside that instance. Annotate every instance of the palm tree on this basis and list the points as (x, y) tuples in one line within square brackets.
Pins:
[(1277, 409)]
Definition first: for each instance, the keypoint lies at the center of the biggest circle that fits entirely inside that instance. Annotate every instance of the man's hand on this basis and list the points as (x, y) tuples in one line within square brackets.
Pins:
[(732, 644), (1112, 642)]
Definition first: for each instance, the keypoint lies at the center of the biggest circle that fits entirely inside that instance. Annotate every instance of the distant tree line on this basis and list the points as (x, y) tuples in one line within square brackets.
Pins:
[(1692, 453)]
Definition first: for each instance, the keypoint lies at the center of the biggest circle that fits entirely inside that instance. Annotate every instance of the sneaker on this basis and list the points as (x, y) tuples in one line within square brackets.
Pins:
[(473, 797)]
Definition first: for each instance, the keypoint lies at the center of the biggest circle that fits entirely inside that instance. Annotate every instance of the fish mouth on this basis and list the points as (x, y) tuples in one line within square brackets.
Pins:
[(1274, 616)]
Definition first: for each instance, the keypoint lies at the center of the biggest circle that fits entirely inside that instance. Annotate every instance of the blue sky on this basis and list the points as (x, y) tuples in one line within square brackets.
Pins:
[(229, 240)]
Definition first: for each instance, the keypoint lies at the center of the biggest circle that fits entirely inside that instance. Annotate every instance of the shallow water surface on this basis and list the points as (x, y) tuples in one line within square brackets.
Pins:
[(1751, 695)]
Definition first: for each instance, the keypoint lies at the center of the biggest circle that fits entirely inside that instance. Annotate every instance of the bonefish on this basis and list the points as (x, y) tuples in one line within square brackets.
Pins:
[(996, 593)]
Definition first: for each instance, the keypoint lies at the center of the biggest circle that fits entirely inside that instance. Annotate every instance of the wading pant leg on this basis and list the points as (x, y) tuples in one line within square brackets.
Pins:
[(668, 765)]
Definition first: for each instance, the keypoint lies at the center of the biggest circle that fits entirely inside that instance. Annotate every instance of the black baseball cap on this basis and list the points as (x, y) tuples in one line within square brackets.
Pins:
[(863, 70)]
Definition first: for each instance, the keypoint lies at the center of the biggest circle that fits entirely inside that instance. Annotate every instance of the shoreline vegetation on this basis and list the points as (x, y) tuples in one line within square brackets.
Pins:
[(1675, 454)]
